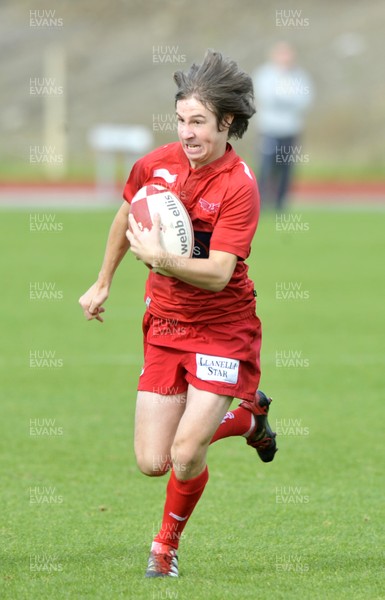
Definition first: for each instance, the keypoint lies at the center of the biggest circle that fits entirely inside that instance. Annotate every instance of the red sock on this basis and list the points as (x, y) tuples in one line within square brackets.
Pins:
[(235, 422), (181, 499)]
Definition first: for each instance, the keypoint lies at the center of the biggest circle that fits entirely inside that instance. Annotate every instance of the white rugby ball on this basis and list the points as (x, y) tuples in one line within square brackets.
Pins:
[(176, 231)]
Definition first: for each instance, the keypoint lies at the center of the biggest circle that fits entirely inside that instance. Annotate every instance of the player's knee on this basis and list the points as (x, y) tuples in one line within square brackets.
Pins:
[(153, 465), (186, 456)]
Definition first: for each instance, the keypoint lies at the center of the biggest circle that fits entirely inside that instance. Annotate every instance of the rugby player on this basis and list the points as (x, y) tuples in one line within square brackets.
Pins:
[(202, 336)]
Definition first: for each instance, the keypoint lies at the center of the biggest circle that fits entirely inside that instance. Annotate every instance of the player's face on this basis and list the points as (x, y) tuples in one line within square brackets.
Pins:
[(198, 132)]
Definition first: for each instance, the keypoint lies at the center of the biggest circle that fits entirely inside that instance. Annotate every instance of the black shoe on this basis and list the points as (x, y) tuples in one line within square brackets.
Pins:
[(262, 438)]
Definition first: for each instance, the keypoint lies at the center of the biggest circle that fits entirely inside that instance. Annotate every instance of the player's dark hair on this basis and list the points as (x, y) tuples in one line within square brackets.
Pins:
[(220, 86)]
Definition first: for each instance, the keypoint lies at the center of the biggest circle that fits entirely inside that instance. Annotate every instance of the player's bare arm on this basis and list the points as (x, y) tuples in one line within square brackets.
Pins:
[(117, 246), (211, 273)]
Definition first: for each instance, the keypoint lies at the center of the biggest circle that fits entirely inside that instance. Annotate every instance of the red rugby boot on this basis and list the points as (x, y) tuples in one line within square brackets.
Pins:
[(163, 561)]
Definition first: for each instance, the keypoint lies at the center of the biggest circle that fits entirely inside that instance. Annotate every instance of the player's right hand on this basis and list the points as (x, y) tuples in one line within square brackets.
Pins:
[(91, 302)]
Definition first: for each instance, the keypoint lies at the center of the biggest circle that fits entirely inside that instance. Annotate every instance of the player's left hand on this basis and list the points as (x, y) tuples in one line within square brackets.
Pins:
[(145, 245)]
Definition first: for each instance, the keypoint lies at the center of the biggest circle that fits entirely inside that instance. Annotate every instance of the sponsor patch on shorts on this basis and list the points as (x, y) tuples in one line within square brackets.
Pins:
[(217, 368)]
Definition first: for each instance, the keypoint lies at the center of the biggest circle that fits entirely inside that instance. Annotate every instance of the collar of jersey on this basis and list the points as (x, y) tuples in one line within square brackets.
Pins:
[(223, 163)]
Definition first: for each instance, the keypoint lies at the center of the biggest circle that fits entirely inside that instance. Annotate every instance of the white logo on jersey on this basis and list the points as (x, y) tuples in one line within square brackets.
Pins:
[(165, 174), (209, 207), (246, 169)]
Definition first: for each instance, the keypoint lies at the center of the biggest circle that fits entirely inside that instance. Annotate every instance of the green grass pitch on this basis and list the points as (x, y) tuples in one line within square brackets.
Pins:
[(77, 517)]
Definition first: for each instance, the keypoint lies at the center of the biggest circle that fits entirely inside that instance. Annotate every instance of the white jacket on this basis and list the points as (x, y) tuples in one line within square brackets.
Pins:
[(282, 98)]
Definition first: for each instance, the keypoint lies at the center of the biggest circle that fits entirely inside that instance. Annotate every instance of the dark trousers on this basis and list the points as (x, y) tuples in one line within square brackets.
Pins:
[(277, 157)]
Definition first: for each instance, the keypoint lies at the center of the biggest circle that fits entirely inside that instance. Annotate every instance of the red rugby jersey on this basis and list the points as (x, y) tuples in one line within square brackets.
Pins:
[(222, 199)]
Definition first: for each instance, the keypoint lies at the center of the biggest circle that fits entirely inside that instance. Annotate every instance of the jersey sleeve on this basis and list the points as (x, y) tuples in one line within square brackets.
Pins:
[(237, 222), (135, 181), (144, 169)]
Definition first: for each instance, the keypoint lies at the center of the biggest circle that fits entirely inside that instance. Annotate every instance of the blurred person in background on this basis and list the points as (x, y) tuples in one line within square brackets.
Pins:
[(283, 93)]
